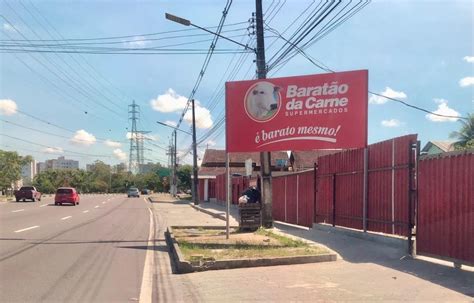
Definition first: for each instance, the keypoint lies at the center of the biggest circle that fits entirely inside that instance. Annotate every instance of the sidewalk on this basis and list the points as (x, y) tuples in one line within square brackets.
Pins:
[(360, 251), (366, 271)]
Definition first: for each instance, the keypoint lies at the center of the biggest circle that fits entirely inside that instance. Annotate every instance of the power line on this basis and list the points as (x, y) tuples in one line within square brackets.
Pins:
[(11, 43), (42, 145), (327, 69), (79, 90), (125, 36)]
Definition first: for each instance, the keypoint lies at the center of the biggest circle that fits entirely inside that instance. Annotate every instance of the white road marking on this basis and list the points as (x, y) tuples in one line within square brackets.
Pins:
[(43, 205), (97, 206), (147, 279), (65, 218), (18, 210), (86, 211), (104, 202), (25, 229)]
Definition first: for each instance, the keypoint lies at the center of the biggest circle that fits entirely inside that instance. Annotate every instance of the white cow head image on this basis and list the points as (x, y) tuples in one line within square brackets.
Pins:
[(262, 99)]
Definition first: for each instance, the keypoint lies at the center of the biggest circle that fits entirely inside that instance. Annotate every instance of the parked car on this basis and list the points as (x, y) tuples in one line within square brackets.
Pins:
[(146, 191), (133, 192), (66, 195), (27, 192)]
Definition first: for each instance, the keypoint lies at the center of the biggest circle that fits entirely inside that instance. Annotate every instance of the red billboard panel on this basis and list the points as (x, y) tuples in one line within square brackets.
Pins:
[(324, 111)]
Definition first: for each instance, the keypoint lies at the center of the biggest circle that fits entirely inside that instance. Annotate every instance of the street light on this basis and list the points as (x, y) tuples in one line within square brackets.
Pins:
[(186, 22), (174, 128)]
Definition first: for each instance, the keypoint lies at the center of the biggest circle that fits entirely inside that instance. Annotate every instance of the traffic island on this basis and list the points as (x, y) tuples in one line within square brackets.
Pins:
[(200, 248)]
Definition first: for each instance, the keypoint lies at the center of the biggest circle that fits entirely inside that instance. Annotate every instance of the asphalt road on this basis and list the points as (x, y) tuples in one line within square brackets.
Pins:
[(93, 252)]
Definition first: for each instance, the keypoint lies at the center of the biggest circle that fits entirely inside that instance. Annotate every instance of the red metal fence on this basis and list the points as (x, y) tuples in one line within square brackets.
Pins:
[(340, 198), (292, 198), (446, 206), (217, 187)]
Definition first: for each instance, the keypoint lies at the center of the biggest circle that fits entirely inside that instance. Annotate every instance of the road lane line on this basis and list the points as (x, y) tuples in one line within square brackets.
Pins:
[(104, 202), (43, 205), (86, 211), (97, 206), (18, 210), (65, 218), (147, 279), (25, 229)]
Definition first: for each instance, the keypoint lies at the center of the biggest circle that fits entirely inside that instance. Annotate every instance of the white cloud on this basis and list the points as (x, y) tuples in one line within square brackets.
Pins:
[(469, 59), (119, 154), (443, 109), (391, 123), (173, 102), (203, 117), (138, 42), (8, 28), (389, 93), (53, 150), (169, 102), (467, 81), (83, 138), (8, 107), (111, 143), (211, 143), (171, 123)]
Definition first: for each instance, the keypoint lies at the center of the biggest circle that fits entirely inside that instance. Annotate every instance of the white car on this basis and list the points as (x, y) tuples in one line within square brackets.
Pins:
[(133, 192)]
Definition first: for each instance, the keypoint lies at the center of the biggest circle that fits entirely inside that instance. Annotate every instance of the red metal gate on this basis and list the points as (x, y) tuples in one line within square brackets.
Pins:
[(446, 206)]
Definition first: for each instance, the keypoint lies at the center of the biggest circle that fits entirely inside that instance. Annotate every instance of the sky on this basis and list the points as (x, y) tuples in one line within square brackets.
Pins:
[(76, 105)]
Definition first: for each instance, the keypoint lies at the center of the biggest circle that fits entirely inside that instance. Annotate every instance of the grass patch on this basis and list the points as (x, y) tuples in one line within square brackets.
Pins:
[(211, 244)]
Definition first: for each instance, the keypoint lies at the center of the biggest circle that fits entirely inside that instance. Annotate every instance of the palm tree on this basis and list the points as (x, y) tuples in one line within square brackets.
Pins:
[(465, 136)]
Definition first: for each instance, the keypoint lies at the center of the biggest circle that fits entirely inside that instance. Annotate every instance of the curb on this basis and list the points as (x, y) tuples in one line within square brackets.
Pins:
[(211, 213), (391, 241), (183, 266)]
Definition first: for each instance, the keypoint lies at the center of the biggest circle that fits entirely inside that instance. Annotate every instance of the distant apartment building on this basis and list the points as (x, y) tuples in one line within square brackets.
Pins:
[(40, 167), (28, 172), (91, 167), (121, 167), (146, 168), (59, 163)]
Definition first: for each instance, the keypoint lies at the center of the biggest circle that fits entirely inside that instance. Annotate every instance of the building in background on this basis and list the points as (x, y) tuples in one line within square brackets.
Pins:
[(437, 147), (91, 167), (146, 168), (28, 172), (59, 163), (40, 167), (121, 167)]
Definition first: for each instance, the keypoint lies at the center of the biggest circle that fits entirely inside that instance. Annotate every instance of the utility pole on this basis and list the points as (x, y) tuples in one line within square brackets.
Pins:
[(265, 157), (175, 164), (195, 172)]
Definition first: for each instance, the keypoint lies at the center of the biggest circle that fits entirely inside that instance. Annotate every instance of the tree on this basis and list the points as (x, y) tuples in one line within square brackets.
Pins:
[(465, 136), (184, 176), (10, 168)]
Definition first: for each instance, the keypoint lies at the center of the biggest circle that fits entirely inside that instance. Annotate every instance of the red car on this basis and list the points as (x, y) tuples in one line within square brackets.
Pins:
[(66, 195)]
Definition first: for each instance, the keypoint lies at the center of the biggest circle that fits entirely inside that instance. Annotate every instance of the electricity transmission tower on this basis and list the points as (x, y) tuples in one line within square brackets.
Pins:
[(137, 138)]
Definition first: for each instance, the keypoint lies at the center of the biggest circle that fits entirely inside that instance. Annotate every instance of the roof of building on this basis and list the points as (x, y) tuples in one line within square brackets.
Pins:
[(445, 146), (306, 159)]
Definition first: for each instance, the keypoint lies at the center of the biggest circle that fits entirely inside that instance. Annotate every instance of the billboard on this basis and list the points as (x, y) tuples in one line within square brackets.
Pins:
[(324, 111)]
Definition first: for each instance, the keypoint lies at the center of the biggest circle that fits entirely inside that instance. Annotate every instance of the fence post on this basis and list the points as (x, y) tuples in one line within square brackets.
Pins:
[(365, 191), (412, 166), (315, 184), (297, 197), (334, 200)]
